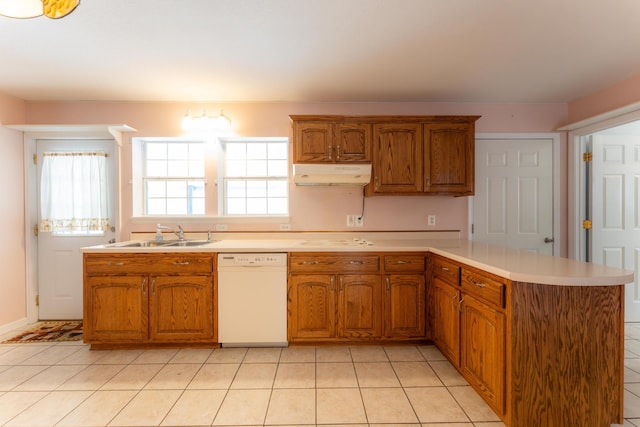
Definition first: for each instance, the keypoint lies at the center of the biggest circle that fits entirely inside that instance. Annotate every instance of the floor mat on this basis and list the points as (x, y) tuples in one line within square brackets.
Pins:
[(50, 331)]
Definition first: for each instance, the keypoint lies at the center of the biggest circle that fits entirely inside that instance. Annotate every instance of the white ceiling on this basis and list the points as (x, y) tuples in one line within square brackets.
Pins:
[(323, 50)]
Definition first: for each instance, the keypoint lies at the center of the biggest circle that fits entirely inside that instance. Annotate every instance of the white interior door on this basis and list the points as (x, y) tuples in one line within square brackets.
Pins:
[(615, 210), (513, 203), (59, 256)]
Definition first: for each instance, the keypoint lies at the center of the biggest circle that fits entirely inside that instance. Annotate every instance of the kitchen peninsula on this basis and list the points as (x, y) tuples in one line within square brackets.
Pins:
[(539, 338)]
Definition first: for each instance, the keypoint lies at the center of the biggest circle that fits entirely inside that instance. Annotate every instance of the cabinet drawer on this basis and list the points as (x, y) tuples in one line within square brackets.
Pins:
[(487, 288), (143, 263), (404, 263), (447, 271), (347, 263)]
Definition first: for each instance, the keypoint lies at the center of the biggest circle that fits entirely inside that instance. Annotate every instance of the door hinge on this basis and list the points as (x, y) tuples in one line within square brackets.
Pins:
[(35, 159), (36, 229), (587, 157), (37, 300), (586, 224), (472, 228)]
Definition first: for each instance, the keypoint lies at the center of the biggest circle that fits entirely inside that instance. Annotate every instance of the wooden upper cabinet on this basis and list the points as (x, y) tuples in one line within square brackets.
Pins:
[(449, 158), (397, 154), (330, 142)]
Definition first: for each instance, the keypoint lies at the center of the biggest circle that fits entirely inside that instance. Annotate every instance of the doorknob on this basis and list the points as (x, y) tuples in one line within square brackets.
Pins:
[(548, 240)]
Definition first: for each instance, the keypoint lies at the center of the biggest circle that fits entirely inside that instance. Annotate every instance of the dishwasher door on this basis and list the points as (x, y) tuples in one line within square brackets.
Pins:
[(252, 300)]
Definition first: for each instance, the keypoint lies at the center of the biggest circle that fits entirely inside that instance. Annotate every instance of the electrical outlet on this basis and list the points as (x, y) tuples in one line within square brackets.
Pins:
[(221, 227), (351, 221), (285, 227), (359, 221), (431, 220)]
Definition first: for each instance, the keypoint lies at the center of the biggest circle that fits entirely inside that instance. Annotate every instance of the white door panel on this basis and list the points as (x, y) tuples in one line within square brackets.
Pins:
[(513, 205), (59, 256), (616, 209)]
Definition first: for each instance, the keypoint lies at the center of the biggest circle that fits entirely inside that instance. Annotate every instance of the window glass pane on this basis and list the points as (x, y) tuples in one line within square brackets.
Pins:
[(257, 150), (176, 206), (236, 168), (176, 189), (156, 189), (257, 206), (183, 161), (256, 177), (236, 188), (177, 151), (178, 168), (277, 167), (197, 207), (196, 168), (235, 150), (156, 206), (256, 188), (278, 189), (236, 206), (156, 151), (256, 168), (278, 150), (156, 168)]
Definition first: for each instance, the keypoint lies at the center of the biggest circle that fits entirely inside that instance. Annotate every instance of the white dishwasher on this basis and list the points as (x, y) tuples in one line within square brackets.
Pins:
[(252, 300)]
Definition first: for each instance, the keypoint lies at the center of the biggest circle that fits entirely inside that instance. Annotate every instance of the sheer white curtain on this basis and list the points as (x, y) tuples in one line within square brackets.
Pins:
[(74, 193)]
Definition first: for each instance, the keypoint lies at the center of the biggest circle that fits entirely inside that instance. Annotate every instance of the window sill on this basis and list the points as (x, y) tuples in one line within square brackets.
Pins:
[(205, 219)]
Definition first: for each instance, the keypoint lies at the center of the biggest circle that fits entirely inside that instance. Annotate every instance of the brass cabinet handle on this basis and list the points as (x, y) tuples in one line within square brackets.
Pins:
[(337, 152), (153, 286), (330, 152), (333, 284), (388, 284), (460, 304), (144, 283), (478, 284), (341, 284), (377, 183)]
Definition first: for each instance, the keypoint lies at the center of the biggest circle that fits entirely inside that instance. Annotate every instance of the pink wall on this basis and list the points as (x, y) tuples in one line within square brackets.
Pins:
[(12, 250), (617, 96), (312, 208)]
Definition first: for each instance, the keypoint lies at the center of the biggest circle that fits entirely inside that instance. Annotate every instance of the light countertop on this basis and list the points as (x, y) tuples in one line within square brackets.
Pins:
[(511, 264)]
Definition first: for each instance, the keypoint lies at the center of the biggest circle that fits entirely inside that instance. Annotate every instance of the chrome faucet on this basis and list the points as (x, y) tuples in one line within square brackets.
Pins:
[(179, 234)]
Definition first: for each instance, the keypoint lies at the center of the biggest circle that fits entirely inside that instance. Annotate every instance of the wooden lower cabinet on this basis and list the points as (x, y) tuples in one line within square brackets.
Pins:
[(483, 350), (405, 306), (445, 319), (348, 297), (127, 303)]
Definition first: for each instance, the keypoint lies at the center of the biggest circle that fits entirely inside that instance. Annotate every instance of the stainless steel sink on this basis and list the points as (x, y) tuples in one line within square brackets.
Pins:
[(161, 243), (188, 243)]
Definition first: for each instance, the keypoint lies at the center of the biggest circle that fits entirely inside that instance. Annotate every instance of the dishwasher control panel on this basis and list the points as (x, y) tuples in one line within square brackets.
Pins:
[(265, 259)]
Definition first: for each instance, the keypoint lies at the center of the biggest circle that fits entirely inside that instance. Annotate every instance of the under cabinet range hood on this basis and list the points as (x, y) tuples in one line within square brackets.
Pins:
[(331, 174)]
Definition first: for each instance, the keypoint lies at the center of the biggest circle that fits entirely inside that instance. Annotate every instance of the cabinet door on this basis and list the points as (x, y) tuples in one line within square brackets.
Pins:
[(312, 306), (449, 158), (404, 306), (359, 306), (397, 158), (445, 318), (115, 308), (181, 308), (483, 351), (353, 142), (313, 142)]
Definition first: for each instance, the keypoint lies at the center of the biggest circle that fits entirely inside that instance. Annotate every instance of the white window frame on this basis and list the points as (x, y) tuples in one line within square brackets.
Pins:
[(138, 175), (222, 197)]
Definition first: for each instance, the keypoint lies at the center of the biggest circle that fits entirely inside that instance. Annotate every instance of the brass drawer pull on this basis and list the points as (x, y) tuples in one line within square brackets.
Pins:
[(309, 262), (444, 268), (356, 262), (181, 262), (402, 262), (478, 284), (117, 264)]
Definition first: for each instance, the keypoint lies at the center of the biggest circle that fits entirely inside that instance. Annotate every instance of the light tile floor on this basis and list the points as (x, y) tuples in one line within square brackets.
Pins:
[(65, 384)]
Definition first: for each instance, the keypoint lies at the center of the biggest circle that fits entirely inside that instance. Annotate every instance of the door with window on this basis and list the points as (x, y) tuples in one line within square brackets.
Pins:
[(76, 193), (513, 203)]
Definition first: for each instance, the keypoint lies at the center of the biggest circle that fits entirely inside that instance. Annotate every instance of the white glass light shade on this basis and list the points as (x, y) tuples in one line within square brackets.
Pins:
[(21, 8)]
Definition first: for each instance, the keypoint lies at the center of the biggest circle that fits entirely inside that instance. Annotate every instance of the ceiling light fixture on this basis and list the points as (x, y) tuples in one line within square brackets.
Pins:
[(33, 8), (205, 123)]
